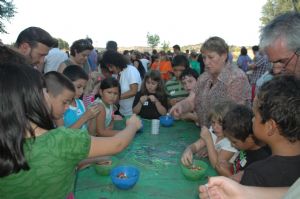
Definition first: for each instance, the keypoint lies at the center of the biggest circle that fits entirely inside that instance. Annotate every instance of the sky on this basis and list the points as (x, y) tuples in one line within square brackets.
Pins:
[(183, 22)]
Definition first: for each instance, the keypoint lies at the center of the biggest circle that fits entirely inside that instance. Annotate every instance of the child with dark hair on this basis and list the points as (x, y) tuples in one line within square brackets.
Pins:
[(110, 92), (76, 116), (237, 127), (276, 122), (188, 79), (61, 92), (174, 87), (151, 101)]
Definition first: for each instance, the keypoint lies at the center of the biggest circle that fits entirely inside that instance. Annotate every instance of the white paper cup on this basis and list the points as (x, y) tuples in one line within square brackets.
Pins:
[(155, 126)]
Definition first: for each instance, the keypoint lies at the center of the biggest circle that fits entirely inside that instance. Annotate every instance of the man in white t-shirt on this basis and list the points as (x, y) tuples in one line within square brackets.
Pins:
[(129, 77)]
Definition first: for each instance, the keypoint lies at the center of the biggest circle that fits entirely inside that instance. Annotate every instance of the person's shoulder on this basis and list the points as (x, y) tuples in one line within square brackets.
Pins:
[(234, 72), (63, 132)]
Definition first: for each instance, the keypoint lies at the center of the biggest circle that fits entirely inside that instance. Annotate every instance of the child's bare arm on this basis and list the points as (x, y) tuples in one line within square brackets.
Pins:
[(187, 156), (160, 108), (139, 105), (223, 165), (101, 130), (212, 153)]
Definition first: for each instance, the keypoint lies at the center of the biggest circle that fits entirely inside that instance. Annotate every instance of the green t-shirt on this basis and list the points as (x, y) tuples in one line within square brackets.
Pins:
[(196, 66), (52, 158)]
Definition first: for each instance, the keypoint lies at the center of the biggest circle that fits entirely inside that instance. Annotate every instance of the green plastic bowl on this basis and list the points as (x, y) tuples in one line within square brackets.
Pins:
[(194, 174), (104, 169)]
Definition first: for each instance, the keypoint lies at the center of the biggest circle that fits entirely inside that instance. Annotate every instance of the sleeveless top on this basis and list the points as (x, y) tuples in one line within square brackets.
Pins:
[(109, 111), (86, 66)]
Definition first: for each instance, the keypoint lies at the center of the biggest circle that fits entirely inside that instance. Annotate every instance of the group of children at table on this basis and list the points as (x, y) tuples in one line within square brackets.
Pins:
[(233, 127), (259, 147), (229, 143)]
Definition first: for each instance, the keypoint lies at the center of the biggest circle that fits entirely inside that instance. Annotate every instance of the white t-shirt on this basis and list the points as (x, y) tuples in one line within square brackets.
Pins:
[(128, 76), (54, 58), (223, 144), (145, 63)]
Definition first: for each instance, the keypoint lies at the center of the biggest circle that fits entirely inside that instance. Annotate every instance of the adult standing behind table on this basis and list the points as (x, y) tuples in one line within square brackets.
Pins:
[(37, 160), (34, 43), (80, 51), (54, 58), (129, 78), (221, 81)]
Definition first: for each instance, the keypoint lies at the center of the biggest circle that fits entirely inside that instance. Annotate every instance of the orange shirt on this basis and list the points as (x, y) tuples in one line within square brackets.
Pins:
[(164, 68)]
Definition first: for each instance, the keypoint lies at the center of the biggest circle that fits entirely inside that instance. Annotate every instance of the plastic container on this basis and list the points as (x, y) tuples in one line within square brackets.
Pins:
[(104, 167), (196, 171), (166, 120), (125, 177)]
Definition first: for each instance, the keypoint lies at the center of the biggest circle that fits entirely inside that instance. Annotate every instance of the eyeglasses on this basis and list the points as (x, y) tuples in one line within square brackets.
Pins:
[(286, 61)]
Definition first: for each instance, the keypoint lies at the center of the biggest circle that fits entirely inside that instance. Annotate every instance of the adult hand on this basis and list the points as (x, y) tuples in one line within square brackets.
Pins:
[(176, 110), (135, 121), (221, 188), (187, 157)]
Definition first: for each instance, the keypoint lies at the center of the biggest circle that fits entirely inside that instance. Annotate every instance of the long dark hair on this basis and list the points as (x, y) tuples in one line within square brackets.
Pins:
[(155, 76), (22, 104)]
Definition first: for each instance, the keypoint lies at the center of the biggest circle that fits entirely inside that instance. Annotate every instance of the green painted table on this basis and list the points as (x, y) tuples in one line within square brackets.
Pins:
[(158, 159)]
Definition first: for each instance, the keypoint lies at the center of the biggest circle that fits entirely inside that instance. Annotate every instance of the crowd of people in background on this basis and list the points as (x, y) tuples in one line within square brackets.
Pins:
[(247, 109)]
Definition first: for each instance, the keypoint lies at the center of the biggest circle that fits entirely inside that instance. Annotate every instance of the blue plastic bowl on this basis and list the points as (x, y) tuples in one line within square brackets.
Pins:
[(124, 177), (166, 120)]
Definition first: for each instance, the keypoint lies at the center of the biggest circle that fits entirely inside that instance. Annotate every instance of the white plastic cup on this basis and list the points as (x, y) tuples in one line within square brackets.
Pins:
[(155, 126)]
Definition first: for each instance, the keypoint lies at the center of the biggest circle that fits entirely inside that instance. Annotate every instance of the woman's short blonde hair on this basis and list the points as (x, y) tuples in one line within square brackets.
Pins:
[(215, 44)]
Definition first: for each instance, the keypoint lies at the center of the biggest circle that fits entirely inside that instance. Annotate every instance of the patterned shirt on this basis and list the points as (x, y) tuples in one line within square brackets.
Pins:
[(261, 66), (231, 84)]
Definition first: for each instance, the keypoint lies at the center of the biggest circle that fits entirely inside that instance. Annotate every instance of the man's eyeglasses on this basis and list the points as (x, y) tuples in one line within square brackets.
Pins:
[(286, 61)]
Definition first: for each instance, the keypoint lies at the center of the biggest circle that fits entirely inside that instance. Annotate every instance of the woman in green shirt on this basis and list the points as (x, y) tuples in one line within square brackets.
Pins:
[(36, 160)]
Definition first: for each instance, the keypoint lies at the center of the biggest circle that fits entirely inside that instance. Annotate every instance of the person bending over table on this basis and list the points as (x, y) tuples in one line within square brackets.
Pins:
[(221, 81), (38, 161)]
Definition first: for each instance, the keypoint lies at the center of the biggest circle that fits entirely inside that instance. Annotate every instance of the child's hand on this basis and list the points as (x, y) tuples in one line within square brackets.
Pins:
[(187, 157), (143, 98), (92, 112), (205, 134), (134, 120), (152, 98)]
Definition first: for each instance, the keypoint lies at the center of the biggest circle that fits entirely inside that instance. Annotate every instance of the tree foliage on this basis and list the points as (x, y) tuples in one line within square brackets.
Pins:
[(62, 44), (165, 46), (152, 40), (274, 8), (7, 11)]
